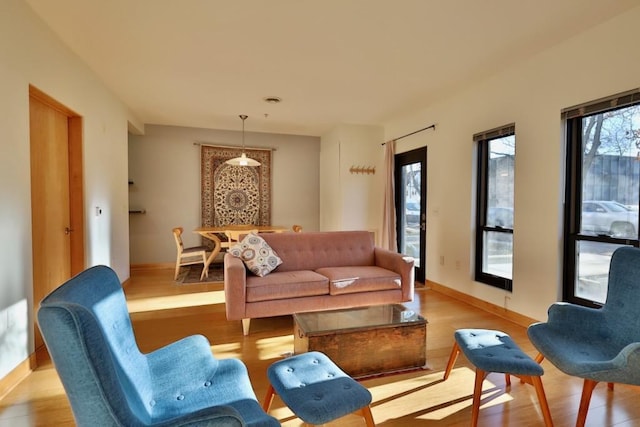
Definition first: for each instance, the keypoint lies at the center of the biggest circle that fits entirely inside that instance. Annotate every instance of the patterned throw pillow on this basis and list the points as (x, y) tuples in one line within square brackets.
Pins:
[(257, 255)]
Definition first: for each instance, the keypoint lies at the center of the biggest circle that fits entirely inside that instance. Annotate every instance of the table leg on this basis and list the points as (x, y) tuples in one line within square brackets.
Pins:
[(214, 253)]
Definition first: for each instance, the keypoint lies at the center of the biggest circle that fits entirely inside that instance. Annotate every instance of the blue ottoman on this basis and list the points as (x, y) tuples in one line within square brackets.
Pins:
[(316, 390), (495, 351)]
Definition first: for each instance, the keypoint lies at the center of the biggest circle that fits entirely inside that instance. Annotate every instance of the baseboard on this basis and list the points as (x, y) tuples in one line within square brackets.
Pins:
[(19, 373), (486, 306), (152, 266)]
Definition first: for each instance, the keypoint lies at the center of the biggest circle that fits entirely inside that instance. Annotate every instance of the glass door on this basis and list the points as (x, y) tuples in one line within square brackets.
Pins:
[(411, 202)]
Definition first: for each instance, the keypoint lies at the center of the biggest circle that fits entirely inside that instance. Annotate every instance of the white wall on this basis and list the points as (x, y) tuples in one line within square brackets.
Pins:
[(330, 173), (594, 64), (164, 165), (31, 54), (351, 201)]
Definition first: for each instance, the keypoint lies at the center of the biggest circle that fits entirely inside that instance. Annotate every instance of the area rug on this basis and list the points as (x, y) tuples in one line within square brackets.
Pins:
[(190, 274), (234, 194)]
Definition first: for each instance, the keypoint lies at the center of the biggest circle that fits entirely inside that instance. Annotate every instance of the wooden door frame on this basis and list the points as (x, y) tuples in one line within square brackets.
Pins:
[(76, 248), (407, 157)]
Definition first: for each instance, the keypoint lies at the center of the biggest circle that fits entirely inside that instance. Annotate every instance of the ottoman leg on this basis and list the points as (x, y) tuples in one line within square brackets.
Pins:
[(477, 395), (368, 417), (452, 360)]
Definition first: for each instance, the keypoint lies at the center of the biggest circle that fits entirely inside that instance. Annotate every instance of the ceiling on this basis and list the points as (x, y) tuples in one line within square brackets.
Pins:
[(201, 63)]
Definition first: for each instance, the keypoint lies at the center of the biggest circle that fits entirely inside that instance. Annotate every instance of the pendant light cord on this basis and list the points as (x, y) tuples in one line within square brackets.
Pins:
[(243, 117)]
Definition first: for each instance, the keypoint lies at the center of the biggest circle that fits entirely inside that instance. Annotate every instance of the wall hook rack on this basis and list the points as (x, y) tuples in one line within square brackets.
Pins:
[(360, 169)]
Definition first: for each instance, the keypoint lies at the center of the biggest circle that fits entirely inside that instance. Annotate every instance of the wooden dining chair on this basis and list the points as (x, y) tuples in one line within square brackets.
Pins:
[(233, 236), (189, 256)]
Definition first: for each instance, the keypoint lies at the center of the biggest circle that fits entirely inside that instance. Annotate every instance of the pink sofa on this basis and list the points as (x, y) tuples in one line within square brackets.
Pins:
[(319, 271)]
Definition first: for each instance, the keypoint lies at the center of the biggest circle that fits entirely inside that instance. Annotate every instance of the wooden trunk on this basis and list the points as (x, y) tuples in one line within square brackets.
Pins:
[(369, 351)]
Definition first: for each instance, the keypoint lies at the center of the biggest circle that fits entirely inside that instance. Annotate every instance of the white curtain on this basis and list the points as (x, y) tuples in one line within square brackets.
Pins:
[(389, 238)]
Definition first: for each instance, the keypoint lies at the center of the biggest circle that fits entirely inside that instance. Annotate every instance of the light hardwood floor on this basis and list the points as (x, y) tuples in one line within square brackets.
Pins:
[(163, 311)]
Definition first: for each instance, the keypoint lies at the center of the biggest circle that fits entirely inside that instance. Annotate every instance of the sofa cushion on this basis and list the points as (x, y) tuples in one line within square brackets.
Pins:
[(346, 280), (286, 284), (313, 250), (257, 255)]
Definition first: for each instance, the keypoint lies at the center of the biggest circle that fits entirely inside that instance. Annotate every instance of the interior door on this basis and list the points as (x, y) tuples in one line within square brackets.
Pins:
[(56, 196), (411, 206)]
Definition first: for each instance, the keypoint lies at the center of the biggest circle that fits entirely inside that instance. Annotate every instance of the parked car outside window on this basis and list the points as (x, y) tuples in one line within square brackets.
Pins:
[(610, 218), (412, 212)]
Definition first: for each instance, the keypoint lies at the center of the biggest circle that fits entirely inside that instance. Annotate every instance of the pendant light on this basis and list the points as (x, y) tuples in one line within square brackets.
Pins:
[(243, 160)]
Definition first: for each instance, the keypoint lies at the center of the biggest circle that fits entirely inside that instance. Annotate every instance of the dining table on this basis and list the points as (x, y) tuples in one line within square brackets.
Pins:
[(211, 233)]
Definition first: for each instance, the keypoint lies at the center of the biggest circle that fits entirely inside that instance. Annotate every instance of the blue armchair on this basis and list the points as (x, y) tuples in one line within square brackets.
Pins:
[(109, 382), (599, 345)]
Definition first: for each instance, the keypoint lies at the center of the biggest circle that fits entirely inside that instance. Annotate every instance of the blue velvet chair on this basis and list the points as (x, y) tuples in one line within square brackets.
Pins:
[(599, 345), (109, 382)]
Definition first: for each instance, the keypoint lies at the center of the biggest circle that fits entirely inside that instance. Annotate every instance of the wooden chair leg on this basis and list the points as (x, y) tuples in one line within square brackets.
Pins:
[(539, 358), (365, 412), (587, 390), (542, 399), (452, 360), (477, 395), (268, 398), (175, 276)]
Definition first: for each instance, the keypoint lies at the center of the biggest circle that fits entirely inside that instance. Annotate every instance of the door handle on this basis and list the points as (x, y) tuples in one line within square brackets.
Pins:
[(68, 230)]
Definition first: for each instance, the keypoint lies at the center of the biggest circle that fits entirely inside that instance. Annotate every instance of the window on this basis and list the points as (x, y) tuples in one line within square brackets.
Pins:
[(494, 219), (602, 194)]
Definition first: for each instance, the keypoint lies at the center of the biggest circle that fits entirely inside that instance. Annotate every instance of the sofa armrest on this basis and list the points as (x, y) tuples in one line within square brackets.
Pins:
[(398, 263), (235, 287)]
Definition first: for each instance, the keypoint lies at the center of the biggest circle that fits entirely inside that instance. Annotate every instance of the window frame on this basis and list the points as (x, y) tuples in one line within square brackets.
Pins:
[(482, 191), (573, 119)]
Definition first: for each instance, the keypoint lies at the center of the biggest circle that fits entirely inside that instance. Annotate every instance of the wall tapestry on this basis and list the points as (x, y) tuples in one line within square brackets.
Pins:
[(235, 194)]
